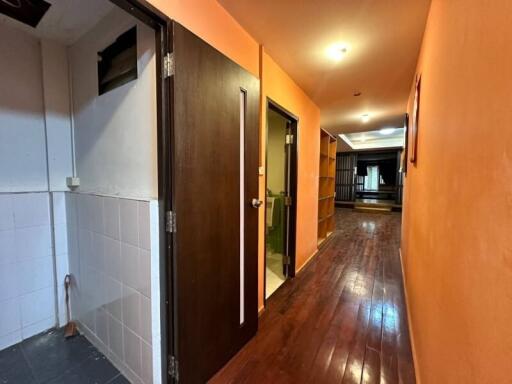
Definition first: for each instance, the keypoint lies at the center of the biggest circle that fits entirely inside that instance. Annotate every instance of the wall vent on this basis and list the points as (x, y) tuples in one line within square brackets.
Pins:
[(117, 64)]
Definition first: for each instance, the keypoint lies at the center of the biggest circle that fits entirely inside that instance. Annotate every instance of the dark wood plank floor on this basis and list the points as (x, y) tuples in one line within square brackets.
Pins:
[(341, 320)]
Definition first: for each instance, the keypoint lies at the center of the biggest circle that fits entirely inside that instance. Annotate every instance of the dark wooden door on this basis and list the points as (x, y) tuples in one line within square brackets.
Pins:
[(215, 117)]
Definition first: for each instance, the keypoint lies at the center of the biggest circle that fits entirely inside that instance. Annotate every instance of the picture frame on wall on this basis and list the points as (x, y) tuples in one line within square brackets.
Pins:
[(405, 151), (415, 121)]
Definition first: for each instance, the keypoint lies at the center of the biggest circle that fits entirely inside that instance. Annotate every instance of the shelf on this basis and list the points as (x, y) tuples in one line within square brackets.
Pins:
[(326, 186), (326, 217)]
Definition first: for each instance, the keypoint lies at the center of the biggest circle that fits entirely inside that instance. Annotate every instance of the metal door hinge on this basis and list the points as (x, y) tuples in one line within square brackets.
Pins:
[(287, 260), (168, 65), (172, 369), (170, 222), (289, 139), (287, 201)]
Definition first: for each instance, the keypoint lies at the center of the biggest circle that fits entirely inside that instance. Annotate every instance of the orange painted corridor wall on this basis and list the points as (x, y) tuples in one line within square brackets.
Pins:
[(279, 87), (211, 22), (457, 228)]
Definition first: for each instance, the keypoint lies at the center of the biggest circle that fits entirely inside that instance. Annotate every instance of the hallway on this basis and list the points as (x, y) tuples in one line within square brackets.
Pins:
[(341, 320)]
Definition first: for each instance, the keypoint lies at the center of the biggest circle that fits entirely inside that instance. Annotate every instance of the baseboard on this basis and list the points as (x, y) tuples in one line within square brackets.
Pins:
[(409, 323), (306, 262)]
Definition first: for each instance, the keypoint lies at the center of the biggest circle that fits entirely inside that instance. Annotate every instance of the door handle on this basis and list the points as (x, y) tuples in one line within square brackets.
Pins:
[(256, 203)]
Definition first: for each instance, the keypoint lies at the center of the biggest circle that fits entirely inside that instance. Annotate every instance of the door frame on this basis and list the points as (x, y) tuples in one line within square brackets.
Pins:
[(161, 24), (292, 235)]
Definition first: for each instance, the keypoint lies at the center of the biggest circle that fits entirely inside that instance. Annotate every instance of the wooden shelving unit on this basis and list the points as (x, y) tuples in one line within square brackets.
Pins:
[(326, 185)]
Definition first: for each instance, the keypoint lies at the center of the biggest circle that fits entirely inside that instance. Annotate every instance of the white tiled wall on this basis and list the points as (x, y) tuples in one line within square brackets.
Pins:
[(110, 256), (27, 299)]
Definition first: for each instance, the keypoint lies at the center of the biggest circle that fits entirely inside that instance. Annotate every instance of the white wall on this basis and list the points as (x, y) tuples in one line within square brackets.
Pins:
[(22, 129), (34, 112), (113, 216), (115, 133), (109, 245), (34, 116), (113, 245), (57, 113), (27, 299)]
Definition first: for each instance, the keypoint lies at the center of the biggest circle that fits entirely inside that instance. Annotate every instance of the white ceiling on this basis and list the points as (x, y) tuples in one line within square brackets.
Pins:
[(66, 20), (384, 39), (374, 139)]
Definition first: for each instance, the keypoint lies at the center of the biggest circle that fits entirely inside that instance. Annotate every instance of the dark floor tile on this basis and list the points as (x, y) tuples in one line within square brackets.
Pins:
[(14, 367), (120, 379), (50, 354), (95, 370)]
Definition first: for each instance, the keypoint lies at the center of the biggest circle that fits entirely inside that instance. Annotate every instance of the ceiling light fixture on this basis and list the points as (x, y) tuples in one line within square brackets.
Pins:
[(387, 131), (365, 118), (337, 51)]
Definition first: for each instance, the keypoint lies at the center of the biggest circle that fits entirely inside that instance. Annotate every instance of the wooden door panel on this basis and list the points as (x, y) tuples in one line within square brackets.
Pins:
[(207, 88)]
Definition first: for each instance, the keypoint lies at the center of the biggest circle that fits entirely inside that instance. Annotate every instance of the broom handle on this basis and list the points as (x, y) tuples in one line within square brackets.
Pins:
[(67, 283)]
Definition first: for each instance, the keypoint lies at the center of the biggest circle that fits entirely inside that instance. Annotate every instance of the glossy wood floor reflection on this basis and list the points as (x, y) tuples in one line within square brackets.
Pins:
[(341, 320)]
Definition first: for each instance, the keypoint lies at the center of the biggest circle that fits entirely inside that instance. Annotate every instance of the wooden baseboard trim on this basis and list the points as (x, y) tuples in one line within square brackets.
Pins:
[(307, 261), (409, 323)]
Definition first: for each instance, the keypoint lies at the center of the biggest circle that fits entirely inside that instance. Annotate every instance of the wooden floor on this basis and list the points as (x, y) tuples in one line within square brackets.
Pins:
[(341, 320)]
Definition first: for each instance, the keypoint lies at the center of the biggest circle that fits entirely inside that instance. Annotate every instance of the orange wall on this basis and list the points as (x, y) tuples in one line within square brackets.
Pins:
[(278, 86), (457, 252), (210, 21)]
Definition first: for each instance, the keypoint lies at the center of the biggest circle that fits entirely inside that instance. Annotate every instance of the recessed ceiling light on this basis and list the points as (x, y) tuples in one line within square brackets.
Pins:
[(365, 118), (387, 131), (337, 51), (357, 93)]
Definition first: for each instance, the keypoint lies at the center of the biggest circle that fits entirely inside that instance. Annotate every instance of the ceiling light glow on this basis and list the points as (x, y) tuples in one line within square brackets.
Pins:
[(365, 118), (387, 131), (337, 51)]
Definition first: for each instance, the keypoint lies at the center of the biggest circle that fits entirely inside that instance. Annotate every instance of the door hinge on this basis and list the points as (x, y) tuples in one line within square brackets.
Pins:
[(286, 260), (168, 65), (287, 201), (289, 139), (172, 369), (170, 222)]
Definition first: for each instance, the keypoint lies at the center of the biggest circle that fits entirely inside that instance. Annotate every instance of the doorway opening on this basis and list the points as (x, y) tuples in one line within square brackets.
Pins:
[(281, 201), (81, 187)]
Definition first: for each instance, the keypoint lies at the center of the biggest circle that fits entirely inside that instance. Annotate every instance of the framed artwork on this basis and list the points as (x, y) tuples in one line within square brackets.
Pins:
[(405, 151), (415, 121)]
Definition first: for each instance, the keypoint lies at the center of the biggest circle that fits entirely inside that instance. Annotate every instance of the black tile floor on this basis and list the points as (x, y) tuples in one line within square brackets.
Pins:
[(49, 358)]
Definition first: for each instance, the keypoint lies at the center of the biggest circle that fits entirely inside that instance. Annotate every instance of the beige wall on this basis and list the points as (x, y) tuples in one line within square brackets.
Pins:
[(276, 155), (457, 227)]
